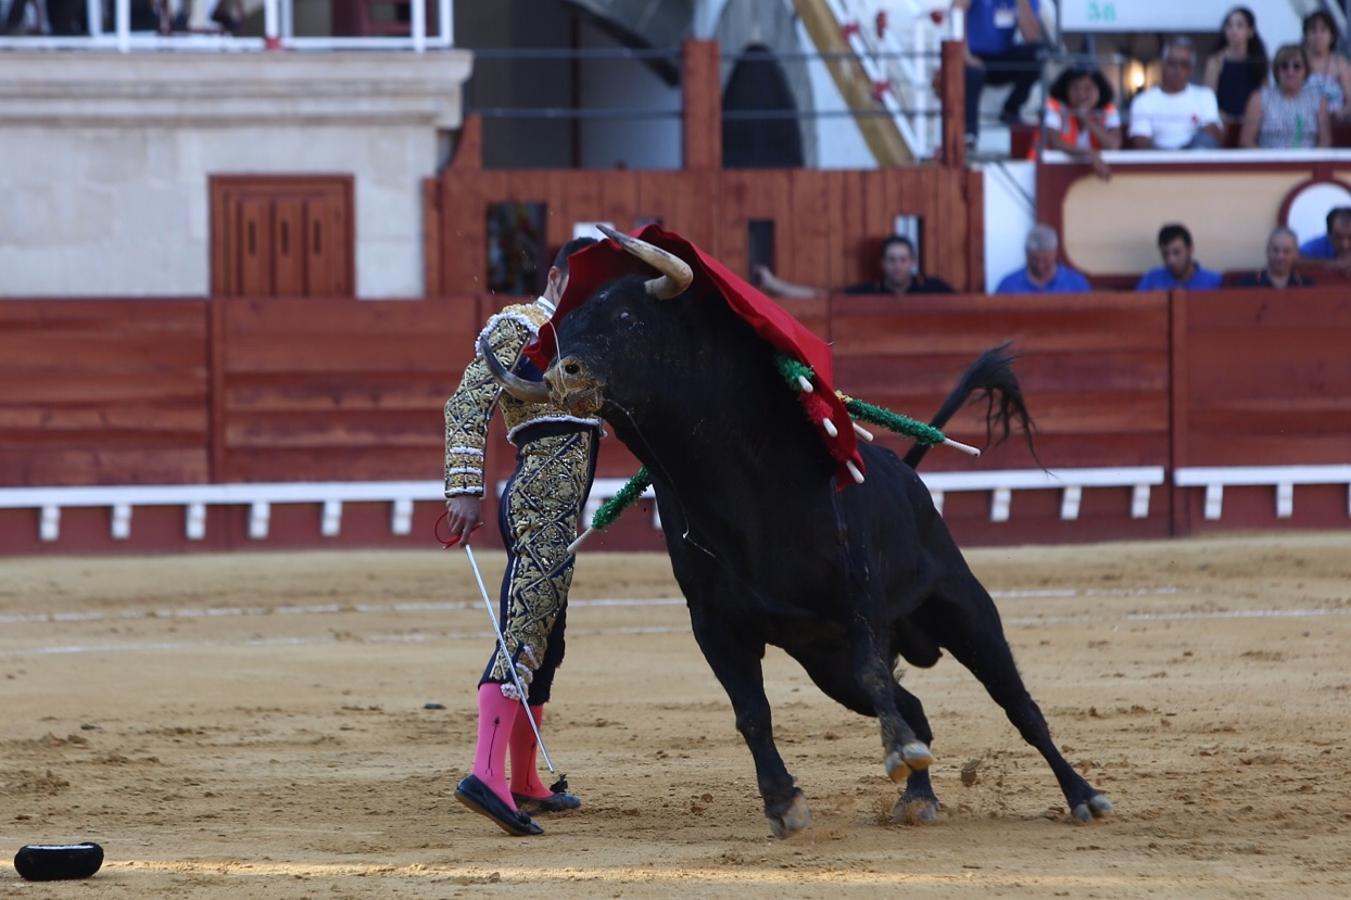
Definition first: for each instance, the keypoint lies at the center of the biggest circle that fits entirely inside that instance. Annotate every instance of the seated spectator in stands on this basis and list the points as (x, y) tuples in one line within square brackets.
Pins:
[(994, 57), (1239, 65), (1043, 273), (898, 277), (1180, 268), (1176, 115), (1291, 114), (1329, 71), (1081, 119), (1331, 250), (1282, 254)]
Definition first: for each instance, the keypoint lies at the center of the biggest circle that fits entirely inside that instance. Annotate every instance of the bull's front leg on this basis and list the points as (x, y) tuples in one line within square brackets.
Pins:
[(736, 663)]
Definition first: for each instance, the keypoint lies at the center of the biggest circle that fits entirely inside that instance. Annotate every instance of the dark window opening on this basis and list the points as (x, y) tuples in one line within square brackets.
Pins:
[(517, 260), (758, 85), (759, 245)]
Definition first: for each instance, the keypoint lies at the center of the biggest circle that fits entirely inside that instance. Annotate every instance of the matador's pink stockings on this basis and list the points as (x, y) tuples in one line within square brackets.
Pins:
[(524, 776), (496, 717)]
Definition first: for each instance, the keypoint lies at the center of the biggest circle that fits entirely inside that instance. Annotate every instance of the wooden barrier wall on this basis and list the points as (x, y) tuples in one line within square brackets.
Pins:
[(103, 392), (1094, 369), (828, 224), (1262, 377), (173, 392)]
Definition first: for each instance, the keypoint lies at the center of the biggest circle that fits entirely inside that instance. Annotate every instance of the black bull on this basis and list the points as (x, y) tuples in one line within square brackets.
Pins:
[(768, 551)]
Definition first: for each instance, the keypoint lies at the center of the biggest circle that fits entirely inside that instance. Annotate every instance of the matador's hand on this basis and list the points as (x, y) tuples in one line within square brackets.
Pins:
[(463, 515)]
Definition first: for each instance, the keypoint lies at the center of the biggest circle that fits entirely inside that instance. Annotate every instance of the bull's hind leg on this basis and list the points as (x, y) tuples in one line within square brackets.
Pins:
[(736, 663), (966, 622), (831, 668), (905, 752)]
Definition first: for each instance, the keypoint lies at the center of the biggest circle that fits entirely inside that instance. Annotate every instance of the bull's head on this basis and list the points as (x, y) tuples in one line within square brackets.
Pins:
[(618, 326)]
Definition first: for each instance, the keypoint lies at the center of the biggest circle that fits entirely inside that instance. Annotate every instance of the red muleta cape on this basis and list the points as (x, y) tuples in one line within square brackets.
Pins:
[(604, 261)]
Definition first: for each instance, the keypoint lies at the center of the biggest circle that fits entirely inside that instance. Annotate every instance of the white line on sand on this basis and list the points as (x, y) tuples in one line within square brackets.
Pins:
[(427, 637), (311, 609)]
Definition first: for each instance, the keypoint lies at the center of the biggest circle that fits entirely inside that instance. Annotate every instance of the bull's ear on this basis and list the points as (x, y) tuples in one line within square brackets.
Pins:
[(676, 273)]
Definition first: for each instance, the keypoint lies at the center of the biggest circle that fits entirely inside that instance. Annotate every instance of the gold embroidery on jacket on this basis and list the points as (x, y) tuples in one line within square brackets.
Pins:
[(470, 408)]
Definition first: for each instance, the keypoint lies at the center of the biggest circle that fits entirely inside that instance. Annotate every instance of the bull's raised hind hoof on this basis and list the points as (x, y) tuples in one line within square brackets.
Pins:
[(792, 820), (913, 757), (1097, 807), (911, 810)]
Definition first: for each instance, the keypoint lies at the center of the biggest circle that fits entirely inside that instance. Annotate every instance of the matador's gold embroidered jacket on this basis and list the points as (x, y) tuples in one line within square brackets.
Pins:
[(470, 408)]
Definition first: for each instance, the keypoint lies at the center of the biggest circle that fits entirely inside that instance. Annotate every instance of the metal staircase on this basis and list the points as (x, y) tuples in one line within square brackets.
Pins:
[(894, 49)]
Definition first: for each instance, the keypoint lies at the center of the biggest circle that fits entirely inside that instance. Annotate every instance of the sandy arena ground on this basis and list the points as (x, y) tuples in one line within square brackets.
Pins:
[(253, 726)]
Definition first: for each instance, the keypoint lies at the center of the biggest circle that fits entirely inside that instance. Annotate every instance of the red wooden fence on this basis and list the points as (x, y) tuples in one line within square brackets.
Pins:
[(335, 389), (103, 392), (1263, 377)]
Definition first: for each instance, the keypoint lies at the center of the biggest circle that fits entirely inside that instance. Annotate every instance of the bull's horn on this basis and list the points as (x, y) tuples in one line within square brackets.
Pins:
[(522, 389), (676, 273)]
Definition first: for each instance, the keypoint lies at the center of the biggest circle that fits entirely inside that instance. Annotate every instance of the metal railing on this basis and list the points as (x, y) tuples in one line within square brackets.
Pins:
[(278, 34)]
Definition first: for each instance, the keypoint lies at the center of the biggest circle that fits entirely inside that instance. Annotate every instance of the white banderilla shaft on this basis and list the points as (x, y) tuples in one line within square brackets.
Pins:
[(510, 666)]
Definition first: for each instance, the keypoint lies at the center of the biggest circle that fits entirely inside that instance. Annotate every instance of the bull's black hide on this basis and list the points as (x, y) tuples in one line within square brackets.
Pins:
[(767, 550)]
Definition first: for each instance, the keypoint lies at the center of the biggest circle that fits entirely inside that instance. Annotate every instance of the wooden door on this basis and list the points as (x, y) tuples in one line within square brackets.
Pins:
[(282, 236)]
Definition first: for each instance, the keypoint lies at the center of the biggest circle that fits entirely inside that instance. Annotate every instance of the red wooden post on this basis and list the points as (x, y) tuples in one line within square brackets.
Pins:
[(952, 93), (1179, 402), (702, 118), (469, 148)]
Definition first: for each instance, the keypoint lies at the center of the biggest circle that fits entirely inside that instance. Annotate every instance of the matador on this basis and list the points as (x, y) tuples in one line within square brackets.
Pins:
[(538, 513)]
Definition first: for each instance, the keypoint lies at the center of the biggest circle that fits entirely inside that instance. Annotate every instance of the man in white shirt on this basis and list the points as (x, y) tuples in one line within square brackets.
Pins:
[(1176, 115)]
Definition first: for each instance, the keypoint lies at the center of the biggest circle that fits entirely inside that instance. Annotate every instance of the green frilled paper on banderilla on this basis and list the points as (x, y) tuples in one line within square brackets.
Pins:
[(795, 373), (631, 491)]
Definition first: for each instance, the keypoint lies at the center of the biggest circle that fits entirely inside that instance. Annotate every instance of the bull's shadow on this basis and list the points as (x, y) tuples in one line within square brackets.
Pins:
[(765, 547)]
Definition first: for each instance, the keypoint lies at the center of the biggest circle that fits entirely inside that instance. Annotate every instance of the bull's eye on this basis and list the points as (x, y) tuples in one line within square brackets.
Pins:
[(572, 368), (625, 317)]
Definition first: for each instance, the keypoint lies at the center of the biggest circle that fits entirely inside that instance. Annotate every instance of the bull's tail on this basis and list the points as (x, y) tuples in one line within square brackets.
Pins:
[(991, 375)]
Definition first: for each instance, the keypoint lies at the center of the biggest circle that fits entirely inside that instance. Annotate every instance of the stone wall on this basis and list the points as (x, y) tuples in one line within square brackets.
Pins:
[(104, 159)]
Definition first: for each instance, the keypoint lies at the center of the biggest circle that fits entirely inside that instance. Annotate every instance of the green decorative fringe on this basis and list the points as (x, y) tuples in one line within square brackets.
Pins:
[(791, 369), (920, 431), (612, 508)]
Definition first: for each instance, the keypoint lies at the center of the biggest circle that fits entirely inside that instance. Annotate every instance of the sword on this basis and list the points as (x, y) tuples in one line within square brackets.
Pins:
[(506, 655)]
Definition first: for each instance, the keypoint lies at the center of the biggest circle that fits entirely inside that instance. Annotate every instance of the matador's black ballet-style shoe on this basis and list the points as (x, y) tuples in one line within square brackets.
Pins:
[(477, 796), (558, 801)]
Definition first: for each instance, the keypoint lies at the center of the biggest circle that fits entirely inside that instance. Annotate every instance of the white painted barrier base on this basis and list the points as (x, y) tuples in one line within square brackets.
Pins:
[(121, 501), (1282, 478)]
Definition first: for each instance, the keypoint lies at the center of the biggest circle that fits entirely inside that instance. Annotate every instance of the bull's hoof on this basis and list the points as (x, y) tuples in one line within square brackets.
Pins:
[(915, 810), (1097, 807), (913, 757), (792, 820)]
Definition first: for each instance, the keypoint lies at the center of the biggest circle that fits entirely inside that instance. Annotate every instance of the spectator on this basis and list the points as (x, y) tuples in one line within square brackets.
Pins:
[(1176, 115), (1180, 268), (1291, 114), (1239, 65), (899, 276), (1043, 273), (994, 57), (1329, 71), (1331, 250), (1081, 119), (1282, 254)]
